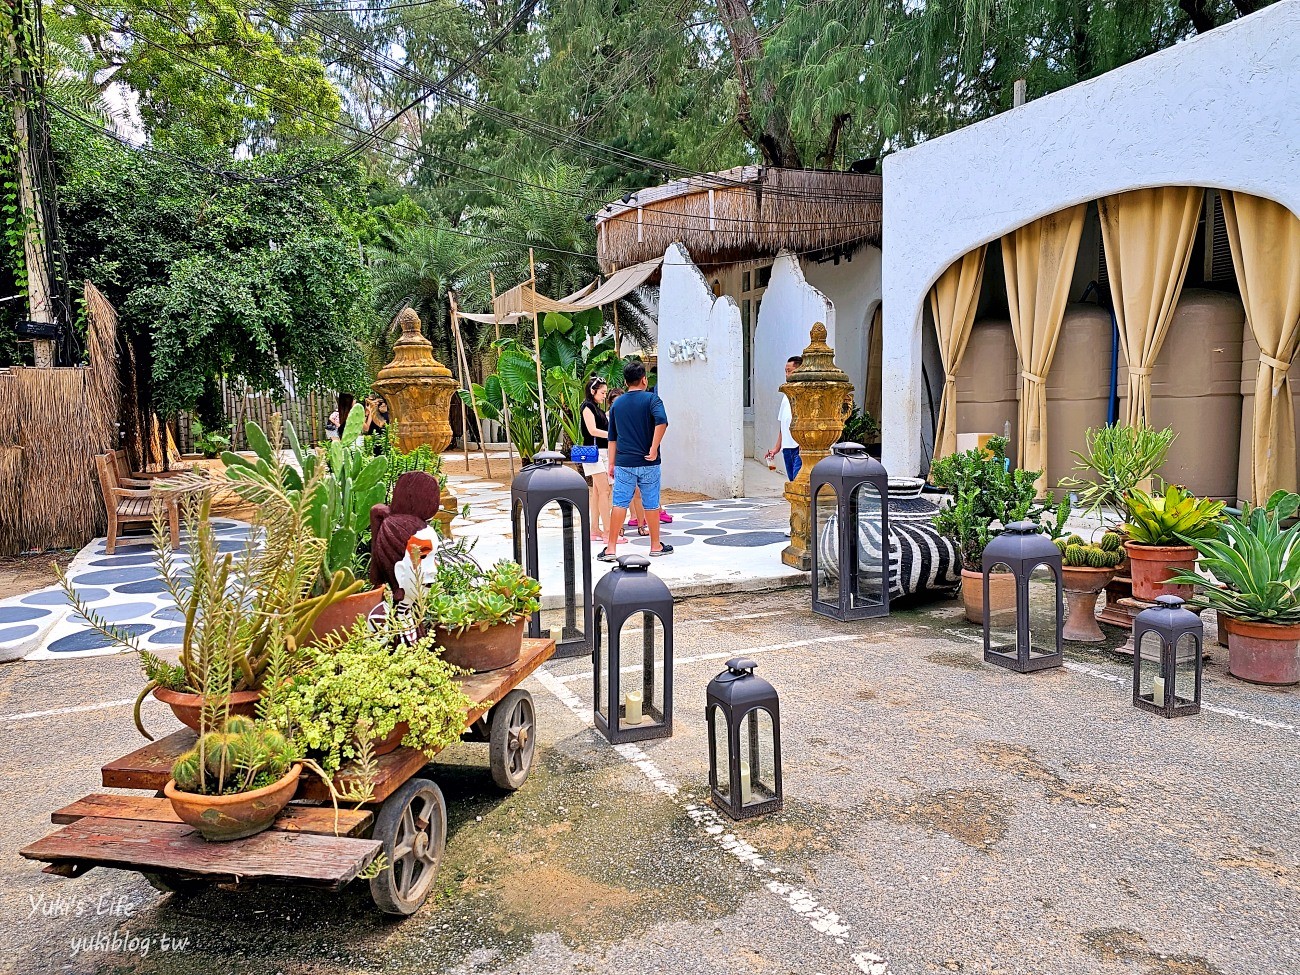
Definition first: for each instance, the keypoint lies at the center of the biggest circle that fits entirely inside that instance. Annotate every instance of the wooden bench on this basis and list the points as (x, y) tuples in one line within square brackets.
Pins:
[(133, 505)]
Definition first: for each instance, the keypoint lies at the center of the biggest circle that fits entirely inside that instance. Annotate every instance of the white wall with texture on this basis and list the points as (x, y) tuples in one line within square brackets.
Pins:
[(791, 306), (1221, 110), (704, 448)]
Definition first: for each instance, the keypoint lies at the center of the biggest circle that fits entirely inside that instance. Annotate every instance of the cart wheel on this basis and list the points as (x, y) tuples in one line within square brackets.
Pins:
[(412, 825), (512, 740), (170, 883)]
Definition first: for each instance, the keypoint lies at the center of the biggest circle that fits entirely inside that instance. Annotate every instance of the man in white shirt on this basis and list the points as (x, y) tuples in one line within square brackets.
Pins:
[(785, 442)]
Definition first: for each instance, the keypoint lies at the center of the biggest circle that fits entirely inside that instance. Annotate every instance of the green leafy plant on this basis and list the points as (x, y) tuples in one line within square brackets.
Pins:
[(1251, 570), (1118, 458), (987, 495), (861, 427), (464, 597), (210, 443), (340, 482), (358, 686), (1173, 518)]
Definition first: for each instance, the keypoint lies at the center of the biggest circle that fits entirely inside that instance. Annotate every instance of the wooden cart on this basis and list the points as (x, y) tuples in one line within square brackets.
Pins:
[(406, 820)]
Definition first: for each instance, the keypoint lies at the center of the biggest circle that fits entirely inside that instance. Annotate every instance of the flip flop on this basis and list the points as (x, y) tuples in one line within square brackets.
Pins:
[(664, 549), (643, 530), (665, 517), (632, 523), (606, 556)]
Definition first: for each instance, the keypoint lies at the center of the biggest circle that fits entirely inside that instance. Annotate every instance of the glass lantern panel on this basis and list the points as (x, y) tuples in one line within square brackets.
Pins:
[(1186, 652), (1000, 608), (641, 671), (828, 545), (1044, 606), (719, 753), (757, 758), (598, 664), (517, 520), (560, 549), (873, 548), (1151, 683)]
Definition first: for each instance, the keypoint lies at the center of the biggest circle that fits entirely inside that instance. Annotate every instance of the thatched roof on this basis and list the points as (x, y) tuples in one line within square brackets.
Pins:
[(742, 214)]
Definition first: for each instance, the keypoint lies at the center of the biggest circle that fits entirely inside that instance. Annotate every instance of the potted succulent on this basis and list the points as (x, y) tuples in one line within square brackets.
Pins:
[(340, 483), (1161, 531), (237, 612), (1117, 459), (1250, 576), (478, 617), (986, 495), (1086, 568), (234, 782), (393, 690)]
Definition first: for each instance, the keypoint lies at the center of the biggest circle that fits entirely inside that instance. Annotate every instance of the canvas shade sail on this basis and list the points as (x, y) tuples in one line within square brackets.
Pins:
[(1265, 241), (511, 319), (1038, 262), (1148, 237), (525, 299), (952, 303)]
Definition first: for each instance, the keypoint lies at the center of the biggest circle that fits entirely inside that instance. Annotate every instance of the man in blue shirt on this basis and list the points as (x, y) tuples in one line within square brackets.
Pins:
[(637, 424)]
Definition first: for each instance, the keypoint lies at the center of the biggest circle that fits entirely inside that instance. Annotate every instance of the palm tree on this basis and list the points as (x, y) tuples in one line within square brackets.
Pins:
[(421, 268)]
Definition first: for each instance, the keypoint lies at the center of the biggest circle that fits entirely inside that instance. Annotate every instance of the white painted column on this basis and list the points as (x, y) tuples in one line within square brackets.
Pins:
[(901, 374)]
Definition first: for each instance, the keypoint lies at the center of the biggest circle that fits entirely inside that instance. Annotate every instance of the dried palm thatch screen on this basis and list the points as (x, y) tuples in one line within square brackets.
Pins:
[(741, 214), (52, 424)]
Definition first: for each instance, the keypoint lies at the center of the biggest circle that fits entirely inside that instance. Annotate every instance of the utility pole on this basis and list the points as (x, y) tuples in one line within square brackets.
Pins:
[(25, 64)]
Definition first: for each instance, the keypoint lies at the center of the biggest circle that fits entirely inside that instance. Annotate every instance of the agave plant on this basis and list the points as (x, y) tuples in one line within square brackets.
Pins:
[(1251, 571), (1176, 517)]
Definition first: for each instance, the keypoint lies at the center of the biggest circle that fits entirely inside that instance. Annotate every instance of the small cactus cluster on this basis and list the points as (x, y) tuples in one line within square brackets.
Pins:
[(244, 755), (1105, 554)]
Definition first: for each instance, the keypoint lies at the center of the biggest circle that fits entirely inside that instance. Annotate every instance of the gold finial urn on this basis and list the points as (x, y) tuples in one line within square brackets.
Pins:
[(418, 389), (821, 399)]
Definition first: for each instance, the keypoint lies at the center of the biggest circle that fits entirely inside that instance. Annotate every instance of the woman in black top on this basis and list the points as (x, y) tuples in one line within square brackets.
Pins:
[(595, 430)]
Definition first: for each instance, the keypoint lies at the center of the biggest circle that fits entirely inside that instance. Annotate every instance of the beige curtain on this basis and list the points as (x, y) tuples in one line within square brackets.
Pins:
[(1265, 241), (1148, 238), (873, 397), (952, 302), (1038, 260)]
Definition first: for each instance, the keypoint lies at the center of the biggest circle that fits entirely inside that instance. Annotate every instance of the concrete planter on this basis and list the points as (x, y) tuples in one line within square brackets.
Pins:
[(1152, 566), (1262, 653), (1082, 584)]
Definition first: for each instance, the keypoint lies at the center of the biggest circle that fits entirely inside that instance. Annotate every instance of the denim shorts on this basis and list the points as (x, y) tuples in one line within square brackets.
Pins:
[(628, 479)]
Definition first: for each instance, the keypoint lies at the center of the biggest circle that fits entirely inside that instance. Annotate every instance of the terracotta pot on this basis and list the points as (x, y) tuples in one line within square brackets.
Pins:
[(188, 708), (1262, 653), (221, 818), (1150, 566), (389, 743), (1082, 584), (341, 616), (479, 650), (1002, 594)]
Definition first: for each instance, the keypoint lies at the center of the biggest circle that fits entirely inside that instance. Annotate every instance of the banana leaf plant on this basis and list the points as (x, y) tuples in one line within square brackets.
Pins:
[(1251, 570), (1175, 518), (345, 481)]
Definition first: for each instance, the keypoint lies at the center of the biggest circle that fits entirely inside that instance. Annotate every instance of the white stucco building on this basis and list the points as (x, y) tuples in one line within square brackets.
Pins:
[(1219, 113), (753, 258)]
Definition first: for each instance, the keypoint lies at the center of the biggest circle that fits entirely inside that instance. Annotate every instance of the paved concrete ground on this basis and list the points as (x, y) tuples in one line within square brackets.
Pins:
[(941, 815)]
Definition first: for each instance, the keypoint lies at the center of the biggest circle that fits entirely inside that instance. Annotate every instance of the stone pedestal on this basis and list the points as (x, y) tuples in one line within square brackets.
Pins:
[(418, 389), (1117, 590), (821, 398)]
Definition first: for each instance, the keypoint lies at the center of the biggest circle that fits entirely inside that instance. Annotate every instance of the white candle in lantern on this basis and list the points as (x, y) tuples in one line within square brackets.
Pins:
[(632, 707), (746, 783), (1158, 691)]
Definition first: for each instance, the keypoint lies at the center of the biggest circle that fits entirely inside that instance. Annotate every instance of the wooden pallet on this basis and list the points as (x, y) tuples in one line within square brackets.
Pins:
[(296, 818)]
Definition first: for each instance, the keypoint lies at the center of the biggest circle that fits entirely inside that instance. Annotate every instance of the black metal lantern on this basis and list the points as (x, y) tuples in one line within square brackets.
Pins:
[(850, 491), (744, 718), (552, 522), (1023, 606), (629, 598), (1167, 641)]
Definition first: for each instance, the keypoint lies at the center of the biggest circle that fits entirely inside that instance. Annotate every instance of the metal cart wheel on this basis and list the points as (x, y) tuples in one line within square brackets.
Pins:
[(412, 825), (170, 883), (512, 740)]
